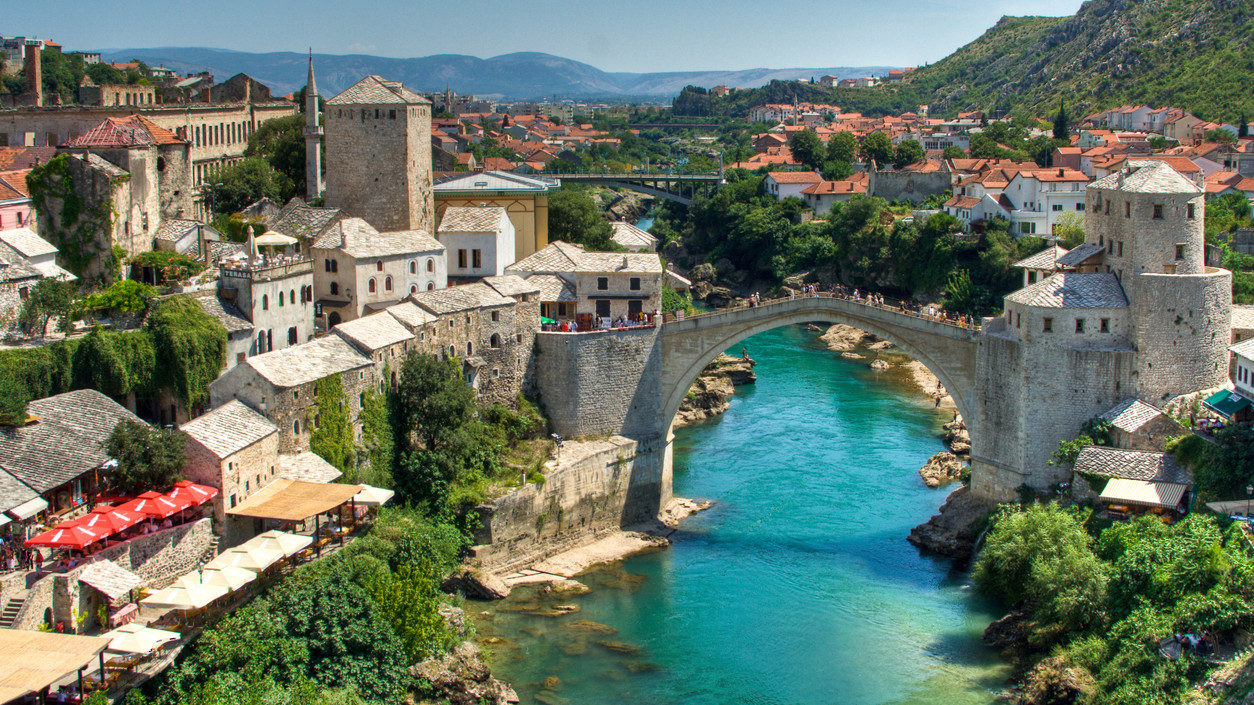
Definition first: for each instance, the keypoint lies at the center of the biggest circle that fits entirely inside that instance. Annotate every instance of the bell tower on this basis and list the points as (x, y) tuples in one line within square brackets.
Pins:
[(313, 138)]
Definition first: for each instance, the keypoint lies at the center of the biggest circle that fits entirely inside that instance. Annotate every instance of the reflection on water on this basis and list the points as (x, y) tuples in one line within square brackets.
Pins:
[(796, 587)]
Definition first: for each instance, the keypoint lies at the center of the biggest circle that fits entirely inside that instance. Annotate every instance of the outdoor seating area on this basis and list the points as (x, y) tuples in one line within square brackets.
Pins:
[(1125, 498), (32, 662), (72, 543)]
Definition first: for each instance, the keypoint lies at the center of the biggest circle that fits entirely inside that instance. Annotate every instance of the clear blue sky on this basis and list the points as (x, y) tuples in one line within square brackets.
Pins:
[(627, 35)]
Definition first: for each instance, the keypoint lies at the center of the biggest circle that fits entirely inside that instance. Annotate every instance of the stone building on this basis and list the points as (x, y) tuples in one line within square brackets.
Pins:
[(383, 339), (359, 269), (313, 137), (607, 285), (479, 241), (275, 297), (1135, 425), (378, 141), (524, 198), (1132, 313), (300, 220), (236, 450), (281, 385), (111, 94)]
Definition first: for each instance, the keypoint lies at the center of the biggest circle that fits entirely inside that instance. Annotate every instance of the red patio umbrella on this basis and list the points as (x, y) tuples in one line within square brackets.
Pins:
[(68, 537), (152, 504), (194, 493), (110, 519)]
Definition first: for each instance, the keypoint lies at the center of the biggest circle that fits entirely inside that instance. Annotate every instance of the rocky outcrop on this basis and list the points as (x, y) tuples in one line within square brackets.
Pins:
[(474, 583), (461, 677), (1009, 635), (879, 365), (711, 392), (958, 438), (950, 532), (941, 469), (628, 207), (842, 338)]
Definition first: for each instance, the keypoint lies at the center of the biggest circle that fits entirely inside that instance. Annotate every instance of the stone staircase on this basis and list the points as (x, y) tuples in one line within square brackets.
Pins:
[(12, 608), (210, 553)]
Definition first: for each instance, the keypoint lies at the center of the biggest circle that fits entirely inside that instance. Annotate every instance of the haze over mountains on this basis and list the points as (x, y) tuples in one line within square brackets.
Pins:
[(517, 76)]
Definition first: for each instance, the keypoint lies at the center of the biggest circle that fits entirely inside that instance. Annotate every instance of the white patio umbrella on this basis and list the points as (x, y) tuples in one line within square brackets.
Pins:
[(289, 544), (375, 496), (187, 593), (228, 576), (252, 558), (137, 639), (273, 239)]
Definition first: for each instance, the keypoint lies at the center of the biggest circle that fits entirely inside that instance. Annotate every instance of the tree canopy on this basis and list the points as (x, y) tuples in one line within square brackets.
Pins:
[(574, 217), (148, 458)]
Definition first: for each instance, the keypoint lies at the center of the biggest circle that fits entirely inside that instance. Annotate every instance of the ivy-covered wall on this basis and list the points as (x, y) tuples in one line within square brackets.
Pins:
[(75, 202)]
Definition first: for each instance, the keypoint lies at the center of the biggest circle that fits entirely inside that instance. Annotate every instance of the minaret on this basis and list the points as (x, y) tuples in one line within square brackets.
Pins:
[(313, 138)]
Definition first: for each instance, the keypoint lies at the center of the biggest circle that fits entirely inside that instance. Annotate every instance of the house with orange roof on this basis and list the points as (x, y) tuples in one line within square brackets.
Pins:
[(15, 201), (822, 196), (1040, 197), (785, 184)]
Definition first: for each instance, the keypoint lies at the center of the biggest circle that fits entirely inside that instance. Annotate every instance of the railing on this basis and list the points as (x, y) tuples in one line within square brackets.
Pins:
[(898, 306), (271, 268)]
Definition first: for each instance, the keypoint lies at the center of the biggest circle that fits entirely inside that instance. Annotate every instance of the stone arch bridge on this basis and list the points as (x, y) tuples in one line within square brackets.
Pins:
[(681, 188)]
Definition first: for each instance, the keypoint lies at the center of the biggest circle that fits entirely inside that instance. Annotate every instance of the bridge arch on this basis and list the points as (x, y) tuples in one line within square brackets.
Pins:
[(949, 352)]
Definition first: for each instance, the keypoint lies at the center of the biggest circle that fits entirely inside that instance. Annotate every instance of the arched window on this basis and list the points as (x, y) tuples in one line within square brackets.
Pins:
[(430, 286), (280, 299), (291, 296), (413, 267), (387, 284), (452, 351), (334, 319), (495, 340), (370, 286), (335, 288), (291, 335), (269, 340), (296, 426), (261, 342), (378, 266), (470, 350), (430, 264), (265, 302), (413, 288)]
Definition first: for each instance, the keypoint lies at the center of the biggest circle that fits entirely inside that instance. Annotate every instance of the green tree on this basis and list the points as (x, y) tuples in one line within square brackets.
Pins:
[(954, 152), (189, 347), (1062, 123), (877, 147), (281, 142), (907, 153), (148, 458), (1069, 229), (13, 400), (1220, 135), (807, 148), (409, 600), (1243, 126), (378, 437), (433, 402), (236, 186), (837, 170), (574, 217), (122, 296), (842, 147), (49, 298)]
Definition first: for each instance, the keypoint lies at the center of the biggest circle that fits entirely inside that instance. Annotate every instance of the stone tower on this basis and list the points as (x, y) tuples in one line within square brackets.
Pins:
[(313, 138), (1133, 312), (379, 155)]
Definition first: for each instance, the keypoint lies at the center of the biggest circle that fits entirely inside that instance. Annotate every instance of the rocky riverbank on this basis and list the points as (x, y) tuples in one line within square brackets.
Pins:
[(955, 530), (461, 676), (711, 393)]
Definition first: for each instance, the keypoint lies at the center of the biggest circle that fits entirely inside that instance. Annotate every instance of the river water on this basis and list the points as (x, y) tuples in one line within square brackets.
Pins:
[(797, 586)]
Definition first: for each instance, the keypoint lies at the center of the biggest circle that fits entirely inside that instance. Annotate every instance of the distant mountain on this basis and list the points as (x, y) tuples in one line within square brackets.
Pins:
[(1194, 54), (519, 76)]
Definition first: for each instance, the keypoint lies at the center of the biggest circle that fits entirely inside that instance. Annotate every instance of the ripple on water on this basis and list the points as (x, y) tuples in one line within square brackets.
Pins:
[(798, 585)]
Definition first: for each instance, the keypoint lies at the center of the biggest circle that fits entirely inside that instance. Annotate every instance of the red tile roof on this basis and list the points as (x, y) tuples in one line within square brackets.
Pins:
[(795, 177), (24, 157), (14, 184), (130, 131)]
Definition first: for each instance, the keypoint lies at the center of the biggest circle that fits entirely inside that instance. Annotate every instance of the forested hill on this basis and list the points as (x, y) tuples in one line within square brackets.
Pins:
[(1193, 54)]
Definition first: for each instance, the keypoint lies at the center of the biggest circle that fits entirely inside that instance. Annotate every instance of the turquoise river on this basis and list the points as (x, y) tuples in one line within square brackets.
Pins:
[(796, 586)]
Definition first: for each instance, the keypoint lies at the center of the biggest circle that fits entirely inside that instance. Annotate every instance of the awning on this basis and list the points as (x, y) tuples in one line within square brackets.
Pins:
[(294, 500), (1146, 494), (374, 496), (29, 509), (31, 661), (1226, 403), (110, 579), (137, 639)]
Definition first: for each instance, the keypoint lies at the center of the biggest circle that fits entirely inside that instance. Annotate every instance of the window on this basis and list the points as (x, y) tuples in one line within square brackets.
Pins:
[(335, 265), (291, 336), (391, 114), (387, 284), (413, 267), (378, 266), (1031, 277), (1047, 325), (1158, 211), (603, 283), (1018, 320), (496, 316), (265, 302), (370, 286), (635, 283), (469, 348), (413, 289), (1057, 207), (280, 299), (430, 286), (335, 288), (603, 308), (1105, 325), (1127, 209), (1026, 228), (291, 296), (296, 426), (1107, 207), (1079, 325), (1179, 252), (1189, 211), (461, 259), (476, 258), (430, 264), (495, 341), (326, 264), (232, 501), (1121, 248), (1079, 206), (452, 351)]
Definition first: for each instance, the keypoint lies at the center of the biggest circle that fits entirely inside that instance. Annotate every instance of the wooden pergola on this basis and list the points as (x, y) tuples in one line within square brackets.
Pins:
[(296, 501), (31, 662)]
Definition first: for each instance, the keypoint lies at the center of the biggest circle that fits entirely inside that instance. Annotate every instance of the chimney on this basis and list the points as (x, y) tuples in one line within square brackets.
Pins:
[(34, 73), (1060, 171)]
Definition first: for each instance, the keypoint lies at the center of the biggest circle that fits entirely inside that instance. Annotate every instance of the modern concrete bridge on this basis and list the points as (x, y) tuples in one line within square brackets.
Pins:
[(681, 188)]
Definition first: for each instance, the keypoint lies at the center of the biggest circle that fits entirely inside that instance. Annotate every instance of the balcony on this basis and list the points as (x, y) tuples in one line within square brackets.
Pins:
[(264, 268)]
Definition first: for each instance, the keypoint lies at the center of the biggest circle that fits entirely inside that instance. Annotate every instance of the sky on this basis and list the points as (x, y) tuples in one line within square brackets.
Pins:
[(623, 35)]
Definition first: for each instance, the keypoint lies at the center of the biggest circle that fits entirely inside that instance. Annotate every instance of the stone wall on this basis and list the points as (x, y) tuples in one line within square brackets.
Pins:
[(1181, 332), (379, 164), (593, 488), (911, 186), (604, 382)]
